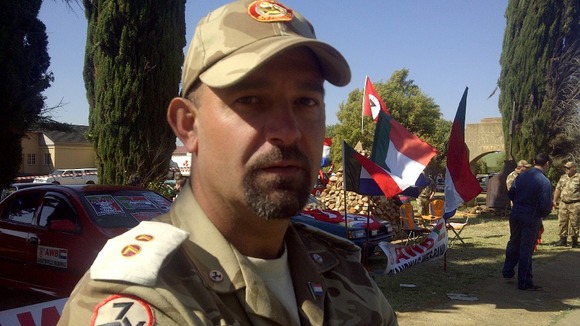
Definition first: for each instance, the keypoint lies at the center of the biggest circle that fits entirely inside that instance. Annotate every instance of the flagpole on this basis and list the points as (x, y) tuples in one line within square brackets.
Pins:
[(366, 249), (362, 115), (345, 217)]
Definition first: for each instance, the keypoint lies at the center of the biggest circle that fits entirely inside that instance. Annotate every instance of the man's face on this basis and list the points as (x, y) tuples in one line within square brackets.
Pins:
[(260, 141), (570, 171)]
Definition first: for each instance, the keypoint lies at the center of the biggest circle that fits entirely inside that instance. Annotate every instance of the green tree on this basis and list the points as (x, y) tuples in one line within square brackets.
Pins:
[(24, 62), (133, 62), (407, 104), (540, 43)]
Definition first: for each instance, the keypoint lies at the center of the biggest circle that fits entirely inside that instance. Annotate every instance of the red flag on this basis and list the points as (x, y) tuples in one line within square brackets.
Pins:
[(460, 184), (372, 102), (399, 151)]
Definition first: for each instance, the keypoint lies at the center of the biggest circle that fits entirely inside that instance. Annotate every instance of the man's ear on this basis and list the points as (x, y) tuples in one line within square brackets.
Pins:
[(181, 116)]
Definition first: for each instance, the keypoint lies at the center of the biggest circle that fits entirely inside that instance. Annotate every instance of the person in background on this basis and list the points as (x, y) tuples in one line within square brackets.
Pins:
[(531, 195), (179, 183), (252, 114), (425, 196), (568, 192), (522, 166)]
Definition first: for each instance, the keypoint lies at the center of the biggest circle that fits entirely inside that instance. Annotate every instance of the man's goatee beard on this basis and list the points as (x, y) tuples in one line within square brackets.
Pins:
[(280, 198)]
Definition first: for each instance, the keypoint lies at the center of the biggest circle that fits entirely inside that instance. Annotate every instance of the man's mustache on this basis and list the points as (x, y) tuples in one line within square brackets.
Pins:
[(282, 153)]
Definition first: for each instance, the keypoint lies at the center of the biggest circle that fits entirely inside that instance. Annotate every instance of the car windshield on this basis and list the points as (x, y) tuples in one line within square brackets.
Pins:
[(57, 172), (313, 203), (7, 191), (124, 209)]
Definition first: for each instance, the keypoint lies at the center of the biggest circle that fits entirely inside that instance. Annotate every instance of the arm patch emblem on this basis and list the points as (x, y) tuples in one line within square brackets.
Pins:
[(120, 309)]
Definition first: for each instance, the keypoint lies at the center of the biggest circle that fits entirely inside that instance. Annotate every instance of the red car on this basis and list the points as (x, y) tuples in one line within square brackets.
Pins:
[(50, 235)]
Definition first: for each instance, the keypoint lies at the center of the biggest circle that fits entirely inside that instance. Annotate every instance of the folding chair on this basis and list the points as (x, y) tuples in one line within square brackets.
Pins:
[(436, 207), (457, 228), (408, 224)]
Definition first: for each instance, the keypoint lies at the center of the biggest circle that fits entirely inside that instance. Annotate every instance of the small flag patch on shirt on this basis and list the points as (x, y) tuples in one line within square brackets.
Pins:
[(316, 289)]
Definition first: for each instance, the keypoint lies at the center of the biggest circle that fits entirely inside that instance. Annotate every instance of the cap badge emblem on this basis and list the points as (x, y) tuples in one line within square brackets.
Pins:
[(270, 12)]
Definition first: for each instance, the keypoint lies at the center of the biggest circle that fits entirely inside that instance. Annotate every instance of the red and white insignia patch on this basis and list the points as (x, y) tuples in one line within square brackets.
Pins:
[(131, 250), (144, 237), (269, 11), (120, 309)]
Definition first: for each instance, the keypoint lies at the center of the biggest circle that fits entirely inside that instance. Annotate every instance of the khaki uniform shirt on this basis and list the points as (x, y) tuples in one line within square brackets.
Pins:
[(204, 280), (569, 188), (510, 179)]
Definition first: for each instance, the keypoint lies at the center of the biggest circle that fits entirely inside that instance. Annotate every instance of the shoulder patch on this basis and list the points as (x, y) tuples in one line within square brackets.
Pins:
[(136, 256), (123, 310)]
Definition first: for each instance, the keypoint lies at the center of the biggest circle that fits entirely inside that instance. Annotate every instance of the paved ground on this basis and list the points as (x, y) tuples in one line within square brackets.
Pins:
[(501, 303)]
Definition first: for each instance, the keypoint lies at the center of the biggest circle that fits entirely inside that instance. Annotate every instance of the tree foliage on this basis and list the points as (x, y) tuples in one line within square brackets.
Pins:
[(24, 62), (133, 62), (407, 104), (539, 77)]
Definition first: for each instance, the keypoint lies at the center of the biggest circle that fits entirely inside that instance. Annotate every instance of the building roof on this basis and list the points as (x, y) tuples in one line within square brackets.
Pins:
[(180, 150), (75, 135)]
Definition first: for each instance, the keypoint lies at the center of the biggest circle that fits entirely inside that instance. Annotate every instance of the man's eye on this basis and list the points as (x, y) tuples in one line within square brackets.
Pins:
[(248, 100), (307, 101)]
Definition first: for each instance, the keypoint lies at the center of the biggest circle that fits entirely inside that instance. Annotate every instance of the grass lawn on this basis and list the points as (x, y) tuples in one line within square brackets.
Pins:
[(481, 257)]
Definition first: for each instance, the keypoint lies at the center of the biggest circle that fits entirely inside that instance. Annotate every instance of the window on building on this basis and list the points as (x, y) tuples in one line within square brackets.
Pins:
[(31, 159), (47, 160)]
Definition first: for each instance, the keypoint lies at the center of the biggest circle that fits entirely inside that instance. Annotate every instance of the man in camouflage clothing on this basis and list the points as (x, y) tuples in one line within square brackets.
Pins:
[(425, 197), (568, 191), (252, 114), (521, 167)]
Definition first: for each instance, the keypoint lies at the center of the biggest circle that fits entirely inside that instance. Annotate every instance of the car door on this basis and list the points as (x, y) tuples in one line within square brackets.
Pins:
[(62, 255), (17, 240)]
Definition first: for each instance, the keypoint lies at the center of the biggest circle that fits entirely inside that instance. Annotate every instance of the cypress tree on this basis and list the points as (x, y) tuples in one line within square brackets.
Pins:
[(538, 39), (24, 62), (132, 67)]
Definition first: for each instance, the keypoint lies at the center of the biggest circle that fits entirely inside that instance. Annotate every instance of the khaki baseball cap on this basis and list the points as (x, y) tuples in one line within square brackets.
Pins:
[(235, 39), (569, 164), (524, 163)]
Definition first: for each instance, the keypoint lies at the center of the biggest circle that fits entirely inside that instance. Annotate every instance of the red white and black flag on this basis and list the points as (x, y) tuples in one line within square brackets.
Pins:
[(372, 102)]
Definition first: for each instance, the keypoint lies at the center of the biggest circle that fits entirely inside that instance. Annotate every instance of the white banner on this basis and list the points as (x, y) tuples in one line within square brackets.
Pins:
[(40, 314), (401, 257)]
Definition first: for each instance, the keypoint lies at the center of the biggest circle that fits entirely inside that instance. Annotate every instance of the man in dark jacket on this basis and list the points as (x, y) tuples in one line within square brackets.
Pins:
[(531, 195)]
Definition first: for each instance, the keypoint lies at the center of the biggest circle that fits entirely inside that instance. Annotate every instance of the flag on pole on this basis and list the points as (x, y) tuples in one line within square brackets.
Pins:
[(326, 152), (400, 152), (372, 102), (415, 190), (364, 177), (460, 183)]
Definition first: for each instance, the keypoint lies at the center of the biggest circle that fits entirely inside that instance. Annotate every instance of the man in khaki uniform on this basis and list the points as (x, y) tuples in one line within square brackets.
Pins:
[(568, 191), (522, 166), (252, 115)]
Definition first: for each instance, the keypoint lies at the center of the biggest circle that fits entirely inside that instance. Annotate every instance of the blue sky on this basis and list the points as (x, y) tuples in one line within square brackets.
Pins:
[(446, 45)]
